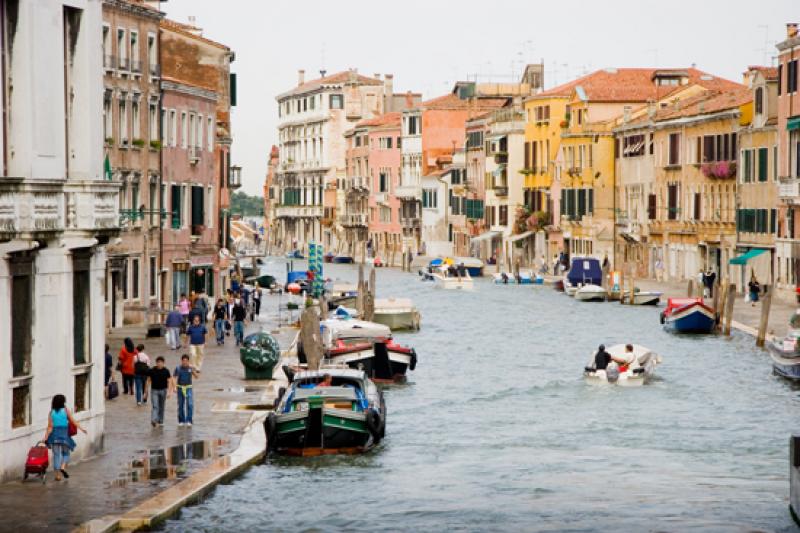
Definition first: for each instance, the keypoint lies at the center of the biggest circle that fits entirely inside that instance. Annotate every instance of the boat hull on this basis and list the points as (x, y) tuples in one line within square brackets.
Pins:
[(397, 320), (643, 298), (452, 283), (343, 259), (322, 431), (693, 320), (379, 363), (591, 294), (787, 367)]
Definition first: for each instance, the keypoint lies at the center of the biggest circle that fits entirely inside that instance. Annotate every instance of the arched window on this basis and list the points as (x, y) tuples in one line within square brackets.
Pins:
[(759, 100)]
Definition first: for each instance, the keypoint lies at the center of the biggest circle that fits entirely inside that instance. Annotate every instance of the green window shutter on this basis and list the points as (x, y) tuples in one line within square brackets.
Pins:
[(563, 205), (176, 206), (746, 165), (581, 202), (233, 89), (591, 201), (763, 158), (773, 213)]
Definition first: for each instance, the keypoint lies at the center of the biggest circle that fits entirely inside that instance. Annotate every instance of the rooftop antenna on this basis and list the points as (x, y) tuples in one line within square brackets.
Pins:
[(322, 70), (765, 50)]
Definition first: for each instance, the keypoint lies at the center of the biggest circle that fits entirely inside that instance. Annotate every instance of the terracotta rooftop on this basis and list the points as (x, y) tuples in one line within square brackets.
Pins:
[(635, 84), (769, 73), (334, 79), (705, 103), (387, 119), (452, 101), (189, 31)]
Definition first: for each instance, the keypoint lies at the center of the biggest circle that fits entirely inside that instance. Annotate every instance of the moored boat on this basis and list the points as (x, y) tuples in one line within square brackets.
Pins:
[(348, 416), (785, 356), (590, 293), (688, 315), (443, 281), (642, 298), (570, 289), (524, 277), (473, 265), (383, 360), (397, 313), (343, 259), (639, 367), (558, 285)]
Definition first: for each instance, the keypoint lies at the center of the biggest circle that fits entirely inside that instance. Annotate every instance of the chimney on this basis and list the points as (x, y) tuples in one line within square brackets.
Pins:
[(388, 93), (651, 108), (301, 77), (791, 30)]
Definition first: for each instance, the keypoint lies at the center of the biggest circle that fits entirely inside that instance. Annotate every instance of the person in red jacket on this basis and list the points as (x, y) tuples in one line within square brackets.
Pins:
[(127, 356)]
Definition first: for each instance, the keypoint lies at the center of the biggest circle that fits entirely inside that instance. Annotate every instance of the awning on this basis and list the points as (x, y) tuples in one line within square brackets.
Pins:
[(793, 124), (524, 235), (742, 259), (631, 239), (485, 236)]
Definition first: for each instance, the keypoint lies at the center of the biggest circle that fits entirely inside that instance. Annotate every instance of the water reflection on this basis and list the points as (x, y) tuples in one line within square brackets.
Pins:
[(169, 463)]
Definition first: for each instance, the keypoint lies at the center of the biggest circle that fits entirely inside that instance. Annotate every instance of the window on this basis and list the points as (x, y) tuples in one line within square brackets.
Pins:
[(763, 164), (20, 406), (383, 181), (135, 65), (184, 130), (210, 210), (756, 220), (21, 319), (107, 47), (210, 133), (81, 392), (135, 278), (153, 112), (81, 316), (747, 166), (791, 76), (413, 125), (173, 128), (123, 119), (429, 198), (674, 149), (191, 142), (697, 205), (135, 118), (121, 49), (125, 280), (503, 215), (108, 116), (719, 148), (672, 202), (336, 101), (474, 139), (152, 54), (759, 100), (175, 204), (198, 208), (633, 146)]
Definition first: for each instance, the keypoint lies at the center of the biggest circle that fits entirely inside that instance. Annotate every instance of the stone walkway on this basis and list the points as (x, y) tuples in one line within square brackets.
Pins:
[(139, 460)]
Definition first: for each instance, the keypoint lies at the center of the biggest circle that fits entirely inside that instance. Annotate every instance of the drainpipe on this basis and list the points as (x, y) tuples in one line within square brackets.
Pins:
[(161, 273)]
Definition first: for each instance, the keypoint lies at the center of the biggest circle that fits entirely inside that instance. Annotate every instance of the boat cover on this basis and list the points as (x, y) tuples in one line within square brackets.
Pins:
[(585, 270)]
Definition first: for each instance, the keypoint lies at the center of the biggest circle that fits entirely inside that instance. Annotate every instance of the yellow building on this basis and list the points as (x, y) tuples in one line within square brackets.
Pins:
[(757, 188)]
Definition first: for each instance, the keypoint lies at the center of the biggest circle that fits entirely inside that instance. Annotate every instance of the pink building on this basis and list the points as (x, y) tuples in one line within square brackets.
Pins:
[(189, 239), (385, 161)]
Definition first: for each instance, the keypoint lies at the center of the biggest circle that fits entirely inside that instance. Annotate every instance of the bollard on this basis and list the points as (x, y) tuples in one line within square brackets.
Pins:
[(762, 325), (730, 299)]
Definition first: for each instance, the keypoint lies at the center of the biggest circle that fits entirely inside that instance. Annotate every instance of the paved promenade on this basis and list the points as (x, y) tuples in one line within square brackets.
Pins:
[(139, 460)]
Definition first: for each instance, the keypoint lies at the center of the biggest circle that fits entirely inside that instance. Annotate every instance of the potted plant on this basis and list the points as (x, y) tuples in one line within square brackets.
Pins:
[(155, 144), (138, 143), (110, 141)]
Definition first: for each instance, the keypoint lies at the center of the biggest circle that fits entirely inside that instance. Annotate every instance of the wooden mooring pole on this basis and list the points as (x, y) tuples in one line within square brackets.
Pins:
[(690, 289), (730, 298), (764, 322)]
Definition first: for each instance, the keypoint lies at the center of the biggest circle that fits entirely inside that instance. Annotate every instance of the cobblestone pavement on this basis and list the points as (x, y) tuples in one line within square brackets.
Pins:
[(134, 464)]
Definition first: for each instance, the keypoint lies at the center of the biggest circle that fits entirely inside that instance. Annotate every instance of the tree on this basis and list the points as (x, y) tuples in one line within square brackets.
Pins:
[(246, 205)]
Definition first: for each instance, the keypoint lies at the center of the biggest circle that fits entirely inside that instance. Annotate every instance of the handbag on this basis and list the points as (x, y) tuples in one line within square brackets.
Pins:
[(227, 325), (72, 429), (113, 390)]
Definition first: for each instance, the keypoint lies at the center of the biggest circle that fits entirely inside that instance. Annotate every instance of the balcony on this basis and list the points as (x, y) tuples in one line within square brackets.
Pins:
[(109, 62), (410, 223), (298, 211), (136, 67), (500, 190), (500, 158), (155, 70), (381, 198), (194, 156), (410, 192), (353, 220), (789, 190)]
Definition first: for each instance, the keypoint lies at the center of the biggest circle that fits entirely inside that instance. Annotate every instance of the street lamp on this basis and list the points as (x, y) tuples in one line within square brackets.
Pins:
[(235, 177)]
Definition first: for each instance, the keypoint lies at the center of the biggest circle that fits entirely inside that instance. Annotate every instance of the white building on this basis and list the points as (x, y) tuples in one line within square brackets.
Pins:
[(57, 212), (312, 169)]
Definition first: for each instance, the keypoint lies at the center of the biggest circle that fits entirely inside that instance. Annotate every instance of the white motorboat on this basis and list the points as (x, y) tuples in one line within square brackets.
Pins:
[(334, 329), (397, 313), (639, 367), (591, 293), (443, 281), (570, 290), (643, 298), (525, 277)]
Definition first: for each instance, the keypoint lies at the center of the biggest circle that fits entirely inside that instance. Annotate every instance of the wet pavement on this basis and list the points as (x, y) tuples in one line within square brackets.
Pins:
[(140, 461)]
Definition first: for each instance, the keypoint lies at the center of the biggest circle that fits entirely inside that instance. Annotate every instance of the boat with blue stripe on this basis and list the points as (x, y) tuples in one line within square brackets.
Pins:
[(688, 315)]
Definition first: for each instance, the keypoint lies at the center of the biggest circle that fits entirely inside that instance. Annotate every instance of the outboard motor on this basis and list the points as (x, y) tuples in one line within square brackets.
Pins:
[(612, 372)]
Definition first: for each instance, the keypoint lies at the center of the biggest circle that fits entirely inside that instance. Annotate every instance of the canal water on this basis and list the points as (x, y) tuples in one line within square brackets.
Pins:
[(496, 430)]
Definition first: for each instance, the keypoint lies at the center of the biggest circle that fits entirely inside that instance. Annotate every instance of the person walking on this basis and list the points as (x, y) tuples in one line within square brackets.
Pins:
[(141, 370), (202, 305), (182, 382), (160, 387), (257, 299), (57, 436), (197, 341), (185, 306), (220, 319), (754, 289), (711, 278), (238, 314), (109, 369), (126, 357), (173, 323)]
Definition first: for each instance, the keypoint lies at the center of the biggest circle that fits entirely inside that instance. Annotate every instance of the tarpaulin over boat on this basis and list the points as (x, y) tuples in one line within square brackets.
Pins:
[(742, 259), (585, 270)]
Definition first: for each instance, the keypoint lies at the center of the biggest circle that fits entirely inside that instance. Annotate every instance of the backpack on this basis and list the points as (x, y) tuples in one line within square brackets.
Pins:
[(140, 368)]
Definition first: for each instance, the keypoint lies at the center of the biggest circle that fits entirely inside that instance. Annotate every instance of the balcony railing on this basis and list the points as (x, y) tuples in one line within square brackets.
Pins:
[(500, 190), (789, 189), (298, 211), (155, 69), (122, 63), (136, 67), (353, 219), (109, 62)]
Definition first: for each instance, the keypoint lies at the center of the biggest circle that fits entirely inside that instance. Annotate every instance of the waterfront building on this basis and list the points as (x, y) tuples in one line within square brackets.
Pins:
[(692, 207), (312, 120), (757, 187), (58, 213), (788, 240), (131, 101), (195, 111), (353, 217), (270, 196), (471, 237), (384, 162)]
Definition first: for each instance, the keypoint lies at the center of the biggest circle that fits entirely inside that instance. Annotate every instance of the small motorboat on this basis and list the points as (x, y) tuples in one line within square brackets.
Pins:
[(558, 285), (591, 293), (639, 368), (349, 416), (295, 254), (343, 259), (328, 258), (443, 281), (525, 277), (377, 262), (397, 313), (688, 315), (383, 360), (642, 297), (264, 281), (785, 354), (342, 295), (570, 289), (473, 265), (333, 329)]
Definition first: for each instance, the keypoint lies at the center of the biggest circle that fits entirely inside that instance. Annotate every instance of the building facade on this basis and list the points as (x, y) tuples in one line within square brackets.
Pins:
[(385, 160), (58, 213), (131, 102)]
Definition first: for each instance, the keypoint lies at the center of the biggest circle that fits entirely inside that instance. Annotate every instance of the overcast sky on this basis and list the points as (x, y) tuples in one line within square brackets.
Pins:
[(429, 44)]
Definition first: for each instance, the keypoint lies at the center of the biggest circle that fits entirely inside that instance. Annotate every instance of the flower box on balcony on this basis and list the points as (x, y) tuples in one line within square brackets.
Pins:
[(138, 143), (564, 124), (719, 169)]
